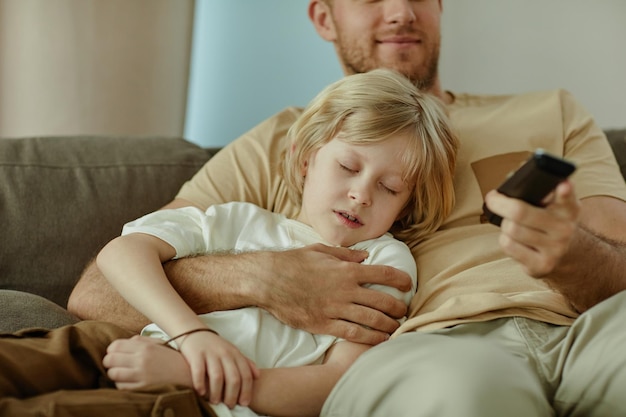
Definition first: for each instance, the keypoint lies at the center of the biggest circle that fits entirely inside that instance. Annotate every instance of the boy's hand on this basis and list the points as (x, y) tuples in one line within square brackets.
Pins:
[(219, 371), (131, 363)]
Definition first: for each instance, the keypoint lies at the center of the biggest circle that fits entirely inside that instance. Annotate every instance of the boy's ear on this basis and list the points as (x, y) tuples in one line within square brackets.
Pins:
[(320, 16)]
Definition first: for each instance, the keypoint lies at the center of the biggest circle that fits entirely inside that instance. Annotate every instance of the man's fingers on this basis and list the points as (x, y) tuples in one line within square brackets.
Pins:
[(568, 205), (334, 287), (370, 274), (374, 308), (538, 237), (356, 333), (384, 275), (341, 253)]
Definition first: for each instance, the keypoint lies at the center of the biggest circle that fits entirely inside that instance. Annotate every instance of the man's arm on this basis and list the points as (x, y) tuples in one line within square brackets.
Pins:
[(94, 298), (593, 268), (316, 288), (577, 247)]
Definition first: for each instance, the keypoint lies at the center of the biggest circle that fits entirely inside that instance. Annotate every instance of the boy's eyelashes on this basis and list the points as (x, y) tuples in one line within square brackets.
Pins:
[(356, 171), (347, 168), (389, 190)]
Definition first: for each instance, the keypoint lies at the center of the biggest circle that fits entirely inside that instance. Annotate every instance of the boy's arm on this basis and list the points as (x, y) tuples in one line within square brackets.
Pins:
[(133, 266), (94, 298), (302, 390)]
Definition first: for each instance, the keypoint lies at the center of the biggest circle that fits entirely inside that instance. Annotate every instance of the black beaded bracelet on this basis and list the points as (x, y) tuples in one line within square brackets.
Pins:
[(203, 329)]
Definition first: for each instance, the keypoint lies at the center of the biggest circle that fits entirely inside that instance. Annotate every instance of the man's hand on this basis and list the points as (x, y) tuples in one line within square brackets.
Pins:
[(537, 237), (320, 289), (578, 248)]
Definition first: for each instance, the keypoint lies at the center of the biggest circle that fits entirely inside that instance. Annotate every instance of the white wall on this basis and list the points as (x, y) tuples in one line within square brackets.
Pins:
[(252, 58), (510, 46)]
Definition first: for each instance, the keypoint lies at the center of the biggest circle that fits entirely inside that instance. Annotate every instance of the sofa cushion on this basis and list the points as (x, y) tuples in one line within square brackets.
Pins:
[(63, 198), (21, 310)]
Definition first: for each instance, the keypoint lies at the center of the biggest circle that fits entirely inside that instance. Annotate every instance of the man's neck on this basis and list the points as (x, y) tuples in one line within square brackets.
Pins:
[(437, 91)]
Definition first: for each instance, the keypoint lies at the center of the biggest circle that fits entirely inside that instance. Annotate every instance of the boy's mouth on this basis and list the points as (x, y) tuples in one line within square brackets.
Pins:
[(349, 219)]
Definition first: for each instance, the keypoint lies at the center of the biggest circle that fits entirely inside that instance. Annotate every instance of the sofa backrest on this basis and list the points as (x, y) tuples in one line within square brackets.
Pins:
[(63, 198)]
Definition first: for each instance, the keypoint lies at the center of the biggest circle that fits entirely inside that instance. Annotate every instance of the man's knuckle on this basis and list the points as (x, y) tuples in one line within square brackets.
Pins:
[(352, 331)]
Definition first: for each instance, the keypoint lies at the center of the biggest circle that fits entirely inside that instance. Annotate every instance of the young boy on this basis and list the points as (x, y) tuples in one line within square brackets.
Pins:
[(370, 154)]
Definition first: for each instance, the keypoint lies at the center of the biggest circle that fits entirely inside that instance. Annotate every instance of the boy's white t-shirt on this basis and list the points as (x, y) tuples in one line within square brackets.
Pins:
[(245, 227)]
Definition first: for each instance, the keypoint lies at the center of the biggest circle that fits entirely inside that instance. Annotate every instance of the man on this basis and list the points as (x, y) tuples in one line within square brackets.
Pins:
[(494, 328)]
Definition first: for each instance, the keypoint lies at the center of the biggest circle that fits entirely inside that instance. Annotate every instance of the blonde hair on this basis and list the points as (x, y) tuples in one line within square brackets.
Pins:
[(369, 108)]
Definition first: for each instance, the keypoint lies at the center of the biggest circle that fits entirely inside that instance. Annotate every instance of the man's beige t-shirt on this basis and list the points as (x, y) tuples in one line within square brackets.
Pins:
[(463, 275)]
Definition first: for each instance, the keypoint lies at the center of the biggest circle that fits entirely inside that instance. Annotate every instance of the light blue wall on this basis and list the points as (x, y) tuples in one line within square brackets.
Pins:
[(250, 59)]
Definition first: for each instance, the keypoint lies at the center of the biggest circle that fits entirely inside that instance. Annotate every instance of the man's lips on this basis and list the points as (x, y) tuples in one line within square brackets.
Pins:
[(399, 40)]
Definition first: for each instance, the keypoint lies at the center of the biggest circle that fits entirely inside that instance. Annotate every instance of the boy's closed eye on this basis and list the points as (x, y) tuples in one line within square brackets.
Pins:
[(347, 167), (389, 189)]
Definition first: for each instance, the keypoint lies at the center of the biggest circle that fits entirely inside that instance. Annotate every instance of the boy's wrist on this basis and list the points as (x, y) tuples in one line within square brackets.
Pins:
[(180, 338)]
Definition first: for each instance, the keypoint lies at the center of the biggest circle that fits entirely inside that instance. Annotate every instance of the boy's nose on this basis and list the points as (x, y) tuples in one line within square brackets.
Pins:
[(361, 195)]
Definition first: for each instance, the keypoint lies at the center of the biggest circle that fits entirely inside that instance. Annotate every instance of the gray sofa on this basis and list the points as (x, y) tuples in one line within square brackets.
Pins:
[(63, 198)]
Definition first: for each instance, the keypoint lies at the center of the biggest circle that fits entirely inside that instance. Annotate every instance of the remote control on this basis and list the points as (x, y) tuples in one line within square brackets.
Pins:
[(533, 181)]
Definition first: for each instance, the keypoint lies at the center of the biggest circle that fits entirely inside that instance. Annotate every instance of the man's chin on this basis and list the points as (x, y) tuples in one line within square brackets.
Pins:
[(411, 67), (410, 72), (404, 66)]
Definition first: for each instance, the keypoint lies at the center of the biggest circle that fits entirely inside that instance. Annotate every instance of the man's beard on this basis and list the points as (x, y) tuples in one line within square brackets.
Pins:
[(423, 76)]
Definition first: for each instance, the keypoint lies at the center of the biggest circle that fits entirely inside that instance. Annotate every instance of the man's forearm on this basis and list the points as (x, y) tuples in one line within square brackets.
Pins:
[(93, 298), (592, 271), (226, 285)]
